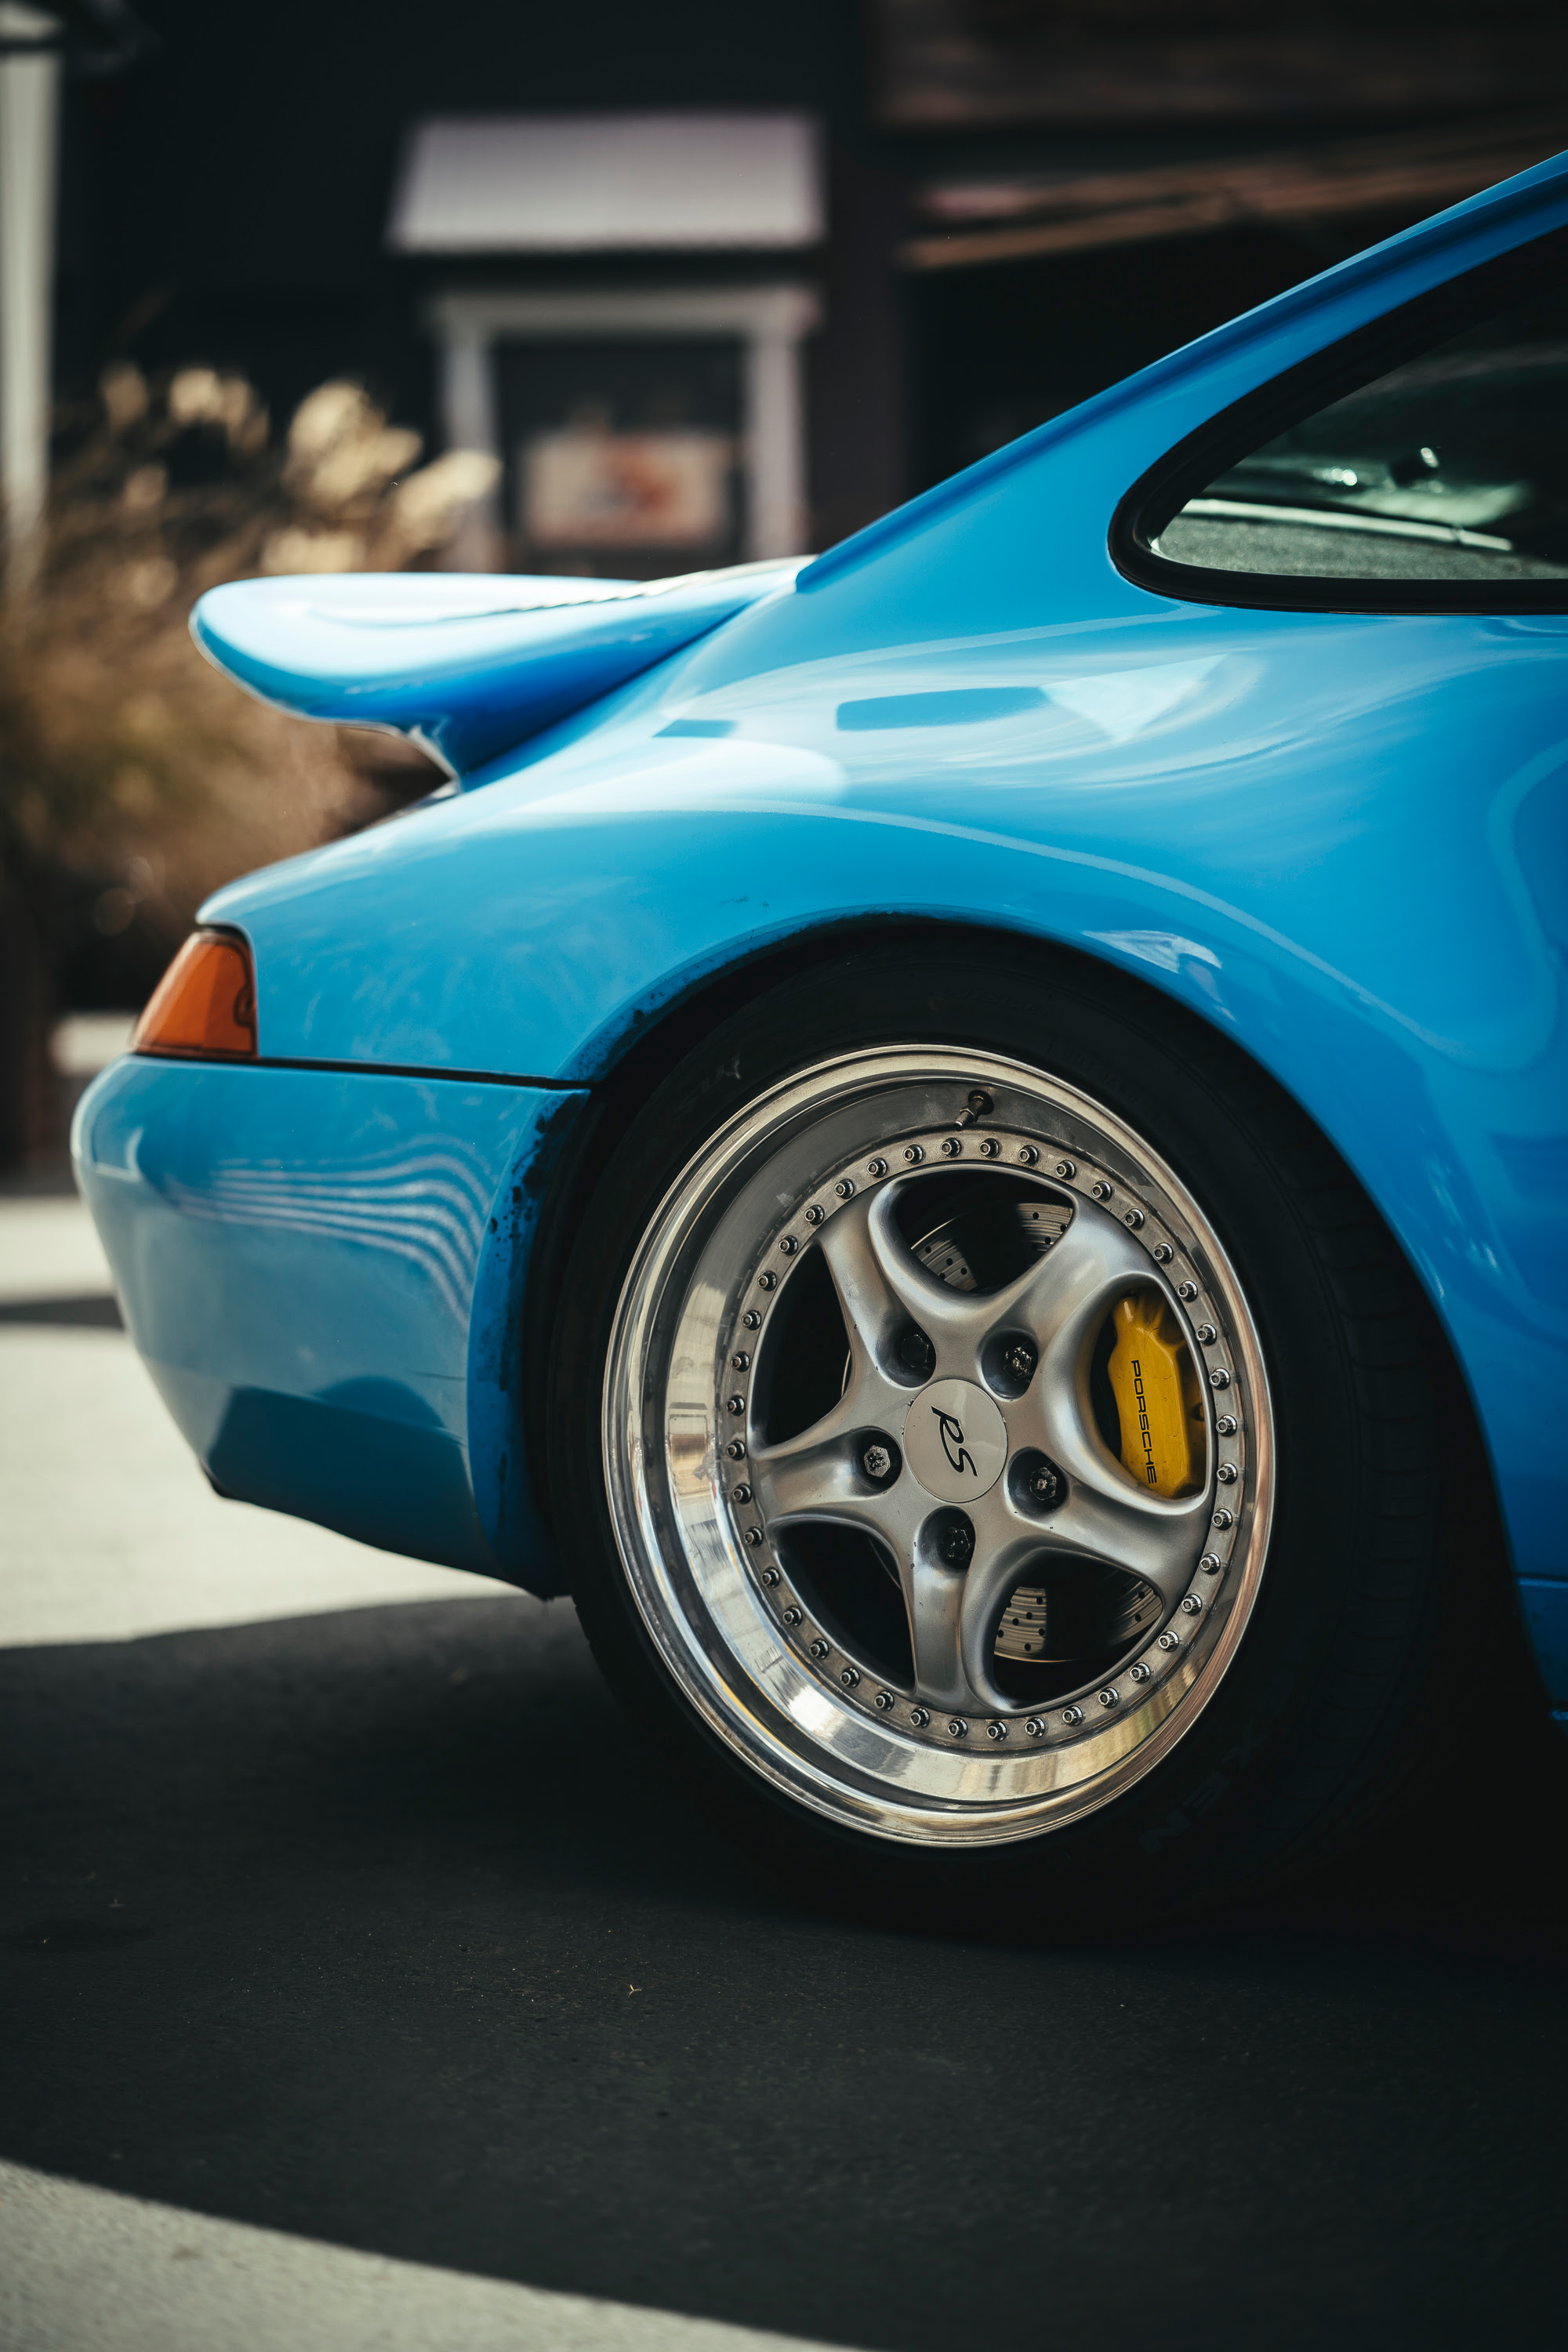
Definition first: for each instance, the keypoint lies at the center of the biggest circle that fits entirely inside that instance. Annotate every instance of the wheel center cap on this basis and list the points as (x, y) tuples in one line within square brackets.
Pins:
[(955, 1441)]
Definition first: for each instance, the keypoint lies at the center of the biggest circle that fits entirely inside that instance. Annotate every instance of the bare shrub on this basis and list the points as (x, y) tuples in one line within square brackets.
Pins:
[(133, 777)]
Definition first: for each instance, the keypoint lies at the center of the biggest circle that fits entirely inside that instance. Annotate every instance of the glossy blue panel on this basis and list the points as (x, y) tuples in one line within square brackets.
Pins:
[(318, 1271), (1341, 840), (466, 664)]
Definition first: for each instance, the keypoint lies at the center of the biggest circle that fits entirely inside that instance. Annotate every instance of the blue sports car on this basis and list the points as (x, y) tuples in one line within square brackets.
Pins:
[(966, 1141)]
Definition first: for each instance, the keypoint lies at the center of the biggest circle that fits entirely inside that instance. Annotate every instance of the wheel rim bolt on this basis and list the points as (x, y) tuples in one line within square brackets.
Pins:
[(1210, 1563), (1170, 1641), (955, 1545), (1072, 1715), (876, 1461), (958, 1727)]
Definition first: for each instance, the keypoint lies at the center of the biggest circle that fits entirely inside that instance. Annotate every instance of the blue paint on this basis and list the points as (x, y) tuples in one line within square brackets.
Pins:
[(466, 664), (1341, 839), (316, 1269)]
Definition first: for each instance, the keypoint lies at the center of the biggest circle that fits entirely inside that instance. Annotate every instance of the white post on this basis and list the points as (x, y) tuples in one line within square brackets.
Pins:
[(469, 422), (29, 115), (776, 443)]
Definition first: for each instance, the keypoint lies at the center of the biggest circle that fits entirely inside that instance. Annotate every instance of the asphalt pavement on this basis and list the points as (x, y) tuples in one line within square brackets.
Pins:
[(361, 1983)]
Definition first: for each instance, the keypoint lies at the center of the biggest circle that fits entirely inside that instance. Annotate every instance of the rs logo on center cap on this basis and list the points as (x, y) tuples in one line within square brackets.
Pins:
[(955, 1441), (951, 1430)]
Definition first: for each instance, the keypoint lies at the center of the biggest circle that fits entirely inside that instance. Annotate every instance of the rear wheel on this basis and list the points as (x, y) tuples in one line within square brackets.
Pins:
[(966, 1444)]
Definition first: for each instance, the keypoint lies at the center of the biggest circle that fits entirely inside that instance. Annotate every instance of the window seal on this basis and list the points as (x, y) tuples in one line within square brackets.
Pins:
[(1356, 359)]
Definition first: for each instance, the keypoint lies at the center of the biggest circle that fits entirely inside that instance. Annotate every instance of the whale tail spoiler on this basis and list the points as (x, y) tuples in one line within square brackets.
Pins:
[(465, 664)]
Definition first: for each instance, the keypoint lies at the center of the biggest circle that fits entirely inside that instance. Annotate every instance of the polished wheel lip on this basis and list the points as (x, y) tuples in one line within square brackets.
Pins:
[(717, 1611)]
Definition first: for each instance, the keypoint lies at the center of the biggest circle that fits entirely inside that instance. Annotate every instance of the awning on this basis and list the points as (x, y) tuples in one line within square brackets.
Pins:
[(608, 184)]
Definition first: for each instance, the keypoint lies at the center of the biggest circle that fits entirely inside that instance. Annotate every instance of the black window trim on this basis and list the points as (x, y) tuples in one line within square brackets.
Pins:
[(1357, 359)]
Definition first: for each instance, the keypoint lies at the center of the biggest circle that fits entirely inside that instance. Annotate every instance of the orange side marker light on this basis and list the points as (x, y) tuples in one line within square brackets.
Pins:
[(204, 1008)]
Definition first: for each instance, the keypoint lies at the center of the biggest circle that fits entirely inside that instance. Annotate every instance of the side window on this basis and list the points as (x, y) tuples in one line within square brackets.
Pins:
[(1450, 466)]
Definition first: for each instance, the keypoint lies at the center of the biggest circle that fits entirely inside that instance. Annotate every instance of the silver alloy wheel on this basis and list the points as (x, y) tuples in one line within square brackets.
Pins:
[(917, 1444)]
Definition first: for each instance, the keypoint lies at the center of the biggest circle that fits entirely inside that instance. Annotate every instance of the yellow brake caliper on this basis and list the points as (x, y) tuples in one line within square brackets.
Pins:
[(1156, 1390)]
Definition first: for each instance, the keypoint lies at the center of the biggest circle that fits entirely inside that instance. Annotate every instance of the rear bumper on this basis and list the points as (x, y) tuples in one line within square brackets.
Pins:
[(323, 1272)]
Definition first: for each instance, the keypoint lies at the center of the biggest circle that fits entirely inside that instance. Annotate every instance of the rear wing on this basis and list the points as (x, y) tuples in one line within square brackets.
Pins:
[(465, 664)]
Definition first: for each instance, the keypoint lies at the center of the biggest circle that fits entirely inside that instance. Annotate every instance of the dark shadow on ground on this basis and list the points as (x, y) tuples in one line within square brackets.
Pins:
[(375, 1927)]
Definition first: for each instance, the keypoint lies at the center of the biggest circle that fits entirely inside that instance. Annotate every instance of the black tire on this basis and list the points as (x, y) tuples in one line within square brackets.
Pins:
[(1324, 1705)]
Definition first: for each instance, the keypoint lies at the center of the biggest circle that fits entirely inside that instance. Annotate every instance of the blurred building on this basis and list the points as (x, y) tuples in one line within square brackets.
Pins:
[(715, 283)]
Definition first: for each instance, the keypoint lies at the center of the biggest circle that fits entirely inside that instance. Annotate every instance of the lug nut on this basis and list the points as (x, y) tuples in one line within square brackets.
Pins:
[(876, 1461), (1019, 1361), (1045, 1487), (955, 1545), (917, 1355)]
